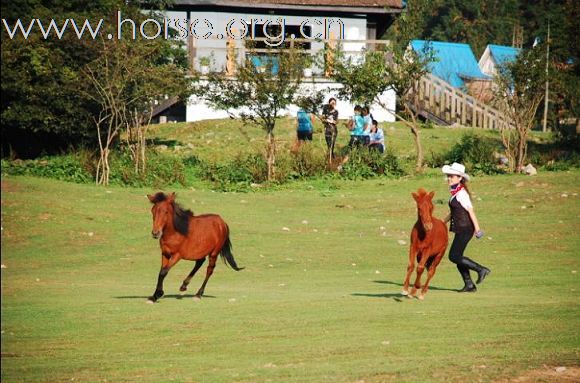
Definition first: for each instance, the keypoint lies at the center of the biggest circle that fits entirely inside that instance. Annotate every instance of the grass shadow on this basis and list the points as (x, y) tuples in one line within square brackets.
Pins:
[(431, 287), (161, 141), (398, 297), (395, 296), (173, 296)]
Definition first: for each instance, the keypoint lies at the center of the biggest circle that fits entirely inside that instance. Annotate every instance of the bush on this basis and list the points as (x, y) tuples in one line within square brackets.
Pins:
[(364, 163), (161, 170), (477, 153), (237, 175), (74, 167), (305, 163)]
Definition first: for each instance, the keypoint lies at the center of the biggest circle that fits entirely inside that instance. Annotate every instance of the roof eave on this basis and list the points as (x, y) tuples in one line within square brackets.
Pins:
[(292, 7)]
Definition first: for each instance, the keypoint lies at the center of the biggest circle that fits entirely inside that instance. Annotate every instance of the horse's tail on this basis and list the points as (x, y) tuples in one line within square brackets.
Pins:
[(227, 256)]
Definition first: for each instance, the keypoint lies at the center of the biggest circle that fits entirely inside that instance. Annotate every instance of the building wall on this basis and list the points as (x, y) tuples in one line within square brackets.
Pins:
[(197, 110), (354, 28), (487, 63)]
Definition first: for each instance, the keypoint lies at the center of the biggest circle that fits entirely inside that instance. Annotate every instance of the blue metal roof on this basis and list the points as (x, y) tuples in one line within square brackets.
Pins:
[(502, 54), (454, 62)]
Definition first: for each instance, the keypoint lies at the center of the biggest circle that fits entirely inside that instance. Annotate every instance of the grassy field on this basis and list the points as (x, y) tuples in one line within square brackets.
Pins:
[(319, 299), (219, 140), (317, 302)]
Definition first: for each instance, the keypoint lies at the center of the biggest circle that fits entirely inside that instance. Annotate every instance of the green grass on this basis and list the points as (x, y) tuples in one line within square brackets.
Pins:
[(317, 303), (223, 139)]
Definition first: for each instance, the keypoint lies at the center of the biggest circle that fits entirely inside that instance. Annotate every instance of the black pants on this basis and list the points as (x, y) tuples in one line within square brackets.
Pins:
[(378, 147), (304, 135), (330, 133), (464, 264)]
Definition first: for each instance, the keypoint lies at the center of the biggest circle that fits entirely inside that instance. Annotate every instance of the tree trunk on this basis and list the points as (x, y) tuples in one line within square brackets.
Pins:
[(271, 154), (416, 137), (419, 149), (521, 154)]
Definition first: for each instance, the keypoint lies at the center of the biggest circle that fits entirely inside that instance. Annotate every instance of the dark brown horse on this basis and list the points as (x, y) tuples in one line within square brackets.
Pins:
[(185, 236), (428, 243)]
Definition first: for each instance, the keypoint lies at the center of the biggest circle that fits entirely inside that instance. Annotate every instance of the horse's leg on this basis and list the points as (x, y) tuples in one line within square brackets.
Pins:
[(166, 264), (410, 268), (430, 274), (210, 267), (186, 281), (420, 269)]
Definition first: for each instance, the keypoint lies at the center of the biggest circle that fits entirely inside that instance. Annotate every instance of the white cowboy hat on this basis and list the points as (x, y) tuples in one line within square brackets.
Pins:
[(456, 169)]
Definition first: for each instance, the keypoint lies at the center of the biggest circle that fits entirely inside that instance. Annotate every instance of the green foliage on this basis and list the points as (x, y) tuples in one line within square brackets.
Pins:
[(364, 164), (79, 166), (306, 162), (45, 104), (477, 153), (161, 170), (236, 175), (74, 167)]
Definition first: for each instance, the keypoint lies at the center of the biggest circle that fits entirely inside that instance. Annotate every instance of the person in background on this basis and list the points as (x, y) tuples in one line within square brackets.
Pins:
[(356, 126), (377, 138), (330, 119), (305, 122), (368, 122), (464, 224)]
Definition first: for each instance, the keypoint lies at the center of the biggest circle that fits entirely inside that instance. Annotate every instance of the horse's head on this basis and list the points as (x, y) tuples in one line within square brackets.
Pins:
[(424, 207), (162, 211)]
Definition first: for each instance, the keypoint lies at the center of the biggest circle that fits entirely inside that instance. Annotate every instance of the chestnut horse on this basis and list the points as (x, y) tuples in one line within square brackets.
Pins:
[(428, 243), (185, 236)]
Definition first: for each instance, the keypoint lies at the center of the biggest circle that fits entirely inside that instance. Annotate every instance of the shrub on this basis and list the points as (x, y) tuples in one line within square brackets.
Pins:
[(74, 167), (161, 170), (306, 162), (475, 152), (237, 175), (363, 164)]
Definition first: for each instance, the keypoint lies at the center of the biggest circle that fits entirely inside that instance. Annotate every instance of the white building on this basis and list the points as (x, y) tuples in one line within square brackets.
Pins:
[(209, 27)]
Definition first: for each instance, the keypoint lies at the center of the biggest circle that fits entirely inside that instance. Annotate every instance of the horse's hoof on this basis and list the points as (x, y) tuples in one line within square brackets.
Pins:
[(197, 298), (150, 301), (421, 296), (183, 288), (404, 292)]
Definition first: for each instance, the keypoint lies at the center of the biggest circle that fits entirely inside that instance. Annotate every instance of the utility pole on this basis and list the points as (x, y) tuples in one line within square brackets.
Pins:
[(546, 96)]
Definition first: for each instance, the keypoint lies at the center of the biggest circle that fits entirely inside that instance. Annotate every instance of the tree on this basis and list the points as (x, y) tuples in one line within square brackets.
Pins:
[(258, 94), (364, 81), (42, 110), (125, 81), (519, 92)]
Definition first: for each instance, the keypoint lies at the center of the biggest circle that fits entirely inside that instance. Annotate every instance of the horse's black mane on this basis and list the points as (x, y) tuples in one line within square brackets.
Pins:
[(181, 218), (180, 215)]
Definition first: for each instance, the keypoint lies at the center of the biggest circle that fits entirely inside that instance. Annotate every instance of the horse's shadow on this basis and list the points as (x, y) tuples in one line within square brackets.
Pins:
[(172, 296), (395, 296)]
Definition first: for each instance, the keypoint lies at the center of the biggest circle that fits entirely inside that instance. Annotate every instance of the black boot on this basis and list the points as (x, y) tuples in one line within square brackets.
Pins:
[(469, 286), (481, 271)]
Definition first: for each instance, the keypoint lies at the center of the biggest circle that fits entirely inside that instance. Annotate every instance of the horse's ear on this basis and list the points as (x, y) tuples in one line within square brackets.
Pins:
[(171, 197), (151, 198), (431, 195), (415, 196)]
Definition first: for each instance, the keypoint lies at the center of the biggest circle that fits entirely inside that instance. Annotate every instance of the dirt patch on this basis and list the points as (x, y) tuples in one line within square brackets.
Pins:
[(9, 187), (548, 375)]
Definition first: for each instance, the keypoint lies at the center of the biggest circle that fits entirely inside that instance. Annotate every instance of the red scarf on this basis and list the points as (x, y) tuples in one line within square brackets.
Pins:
[(456, 190)]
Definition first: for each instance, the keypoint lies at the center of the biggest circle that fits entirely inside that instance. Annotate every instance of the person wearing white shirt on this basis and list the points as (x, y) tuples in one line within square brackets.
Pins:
[(464, 224), (377, 138)]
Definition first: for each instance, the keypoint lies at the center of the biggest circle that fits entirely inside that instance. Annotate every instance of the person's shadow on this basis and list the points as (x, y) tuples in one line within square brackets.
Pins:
[(395, 296)]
